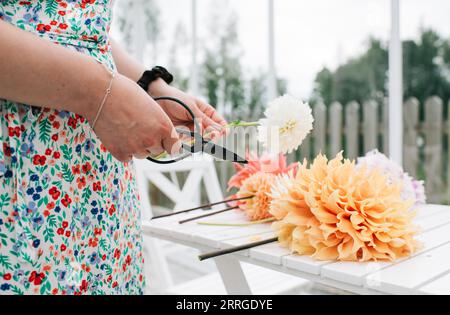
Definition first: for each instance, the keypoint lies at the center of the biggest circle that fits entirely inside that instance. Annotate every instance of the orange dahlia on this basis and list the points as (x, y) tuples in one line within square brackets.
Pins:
[(335, 211), (259, 185)]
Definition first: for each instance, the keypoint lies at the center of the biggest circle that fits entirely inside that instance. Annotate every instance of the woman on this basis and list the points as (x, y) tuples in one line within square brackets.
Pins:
[(72, 117)]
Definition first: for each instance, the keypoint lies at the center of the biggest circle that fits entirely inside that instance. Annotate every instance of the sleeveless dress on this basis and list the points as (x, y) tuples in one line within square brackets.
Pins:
[(69, 211)]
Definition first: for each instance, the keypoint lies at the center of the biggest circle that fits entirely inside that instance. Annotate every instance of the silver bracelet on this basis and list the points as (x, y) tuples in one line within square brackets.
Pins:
[(108, 91)]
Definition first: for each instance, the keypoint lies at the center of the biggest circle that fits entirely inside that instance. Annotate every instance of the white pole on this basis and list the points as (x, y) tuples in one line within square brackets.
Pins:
[(272, 76), (193, 81), (395, 87), (138, 34)]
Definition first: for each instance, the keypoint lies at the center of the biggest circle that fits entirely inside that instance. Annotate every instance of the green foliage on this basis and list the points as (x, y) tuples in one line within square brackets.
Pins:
[(67, 173), (426, 65), (50, 7), (44, 130)]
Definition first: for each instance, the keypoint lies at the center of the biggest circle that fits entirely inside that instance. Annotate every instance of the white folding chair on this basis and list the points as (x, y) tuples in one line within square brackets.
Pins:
[(183, 197)]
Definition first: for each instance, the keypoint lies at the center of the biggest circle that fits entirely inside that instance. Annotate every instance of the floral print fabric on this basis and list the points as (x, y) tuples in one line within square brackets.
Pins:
[(69, 212)]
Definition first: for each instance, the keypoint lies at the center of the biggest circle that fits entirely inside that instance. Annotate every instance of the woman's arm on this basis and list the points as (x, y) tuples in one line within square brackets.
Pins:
[(37, 72), (131, 68)]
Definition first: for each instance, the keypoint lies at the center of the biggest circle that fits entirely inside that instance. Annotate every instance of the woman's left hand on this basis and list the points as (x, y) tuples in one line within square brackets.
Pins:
[(209, 119)]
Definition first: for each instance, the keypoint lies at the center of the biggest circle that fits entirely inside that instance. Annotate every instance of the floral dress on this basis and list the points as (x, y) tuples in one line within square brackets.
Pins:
[(69, 211)]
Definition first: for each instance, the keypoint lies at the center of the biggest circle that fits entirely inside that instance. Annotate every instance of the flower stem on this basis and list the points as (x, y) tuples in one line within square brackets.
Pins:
[(237, 224)]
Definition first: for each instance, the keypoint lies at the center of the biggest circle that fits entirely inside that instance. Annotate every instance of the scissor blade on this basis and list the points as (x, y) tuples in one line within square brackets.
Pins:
[(221, 153)]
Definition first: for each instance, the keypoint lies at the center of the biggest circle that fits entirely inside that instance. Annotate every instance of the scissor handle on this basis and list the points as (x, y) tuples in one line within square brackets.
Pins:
[(196, 127)]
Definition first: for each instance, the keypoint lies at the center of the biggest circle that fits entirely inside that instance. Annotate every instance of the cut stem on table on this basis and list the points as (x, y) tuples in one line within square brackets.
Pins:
[(236, 249), (207, 215), (209, 205)]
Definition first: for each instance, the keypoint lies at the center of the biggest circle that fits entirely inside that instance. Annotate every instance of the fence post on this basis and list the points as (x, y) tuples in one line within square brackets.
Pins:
[(433, 148), (335, 122), (410, 149), (370, 133), (352, 129), (320, 128)]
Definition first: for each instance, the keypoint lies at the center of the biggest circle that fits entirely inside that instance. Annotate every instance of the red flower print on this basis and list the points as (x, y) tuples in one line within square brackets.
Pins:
[(66, 201), (53, 23), (93, 242), (6, 149), (97, 231), (55, 291), (14, 131), (55, 137), (65, 224), (39, 159), (63, 4), (48, 151), (42, 28), (76, 169), (56, 155), (60, 231), (24, 2), (46, 213), (67, 233), (54, 192), (84, 285), (62, 13), (72, 122), (63, 26), (56, 124), (36, 278), (7, 276), (63, 247), (128, 260), (117, 253), (86, 167), (112, 209), (97, 186), (81, 181), (114, 284)]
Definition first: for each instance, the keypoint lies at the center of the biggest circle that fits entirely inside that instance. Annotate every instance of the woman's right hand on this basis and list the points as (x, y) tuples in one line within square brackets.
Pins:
[(133, 124)]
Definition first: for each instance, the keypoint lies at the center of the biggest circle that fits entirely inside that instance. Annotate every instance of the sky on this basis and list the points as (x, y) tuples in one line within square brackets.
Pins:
[(308, 34)]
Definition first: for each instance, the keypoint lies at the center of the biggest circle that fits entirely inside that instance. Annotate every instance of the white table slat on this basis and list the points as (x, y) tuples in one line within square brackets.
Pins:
[(191, 229), (354, 272), (424, 211), (430, 222), (304, 264), (245, 240), (439, 286), (402, 278), (271, 253), (214, 239)]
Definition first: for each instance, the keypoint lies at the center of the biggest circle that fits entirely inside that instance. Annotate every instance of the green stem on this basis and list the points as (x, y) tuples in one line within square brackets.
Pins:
[(237, 224)]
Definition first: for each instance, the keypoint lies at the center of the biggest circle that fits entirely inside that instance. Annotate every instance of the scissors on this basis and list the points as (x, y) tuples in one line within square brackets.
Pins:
[(199, 143)]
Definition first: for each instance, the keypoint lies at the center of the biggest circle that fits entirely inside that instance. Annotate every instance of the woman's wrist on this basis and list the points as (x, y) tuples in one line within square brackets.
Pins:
[(157, 87), (92, 91)]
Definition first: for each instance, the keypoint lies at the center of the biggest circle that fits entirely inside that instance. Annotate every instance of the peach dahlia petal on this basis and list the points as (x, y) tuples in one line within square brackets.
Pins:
[(334, 210), (259, 186)]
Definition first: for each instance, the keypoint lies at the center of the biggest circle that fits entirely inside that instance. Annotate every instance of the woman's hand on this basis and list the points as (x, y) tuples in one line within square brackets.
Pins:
[(132, 123), (210, 120)]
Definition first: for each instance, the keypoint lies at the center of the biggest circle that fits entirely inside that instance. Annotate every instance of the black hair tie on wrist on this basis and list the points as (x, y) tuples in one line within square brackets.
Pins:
[(155, 73)]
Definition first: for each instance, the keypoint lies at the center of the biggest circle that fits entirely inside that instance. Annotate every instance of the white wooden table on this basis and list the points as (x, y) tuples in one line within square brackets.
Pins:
[(426, 272)]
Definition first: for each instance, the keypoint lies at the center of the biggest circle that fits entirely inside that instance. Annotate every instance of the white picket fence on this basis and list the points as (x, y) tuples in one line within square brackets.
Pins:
[(357, 129)]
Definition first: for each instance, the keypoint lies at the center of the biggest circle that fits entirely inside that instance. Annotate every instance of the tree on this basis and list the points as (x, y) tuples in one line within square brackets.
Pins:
[(426, 72), (221, 74)]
